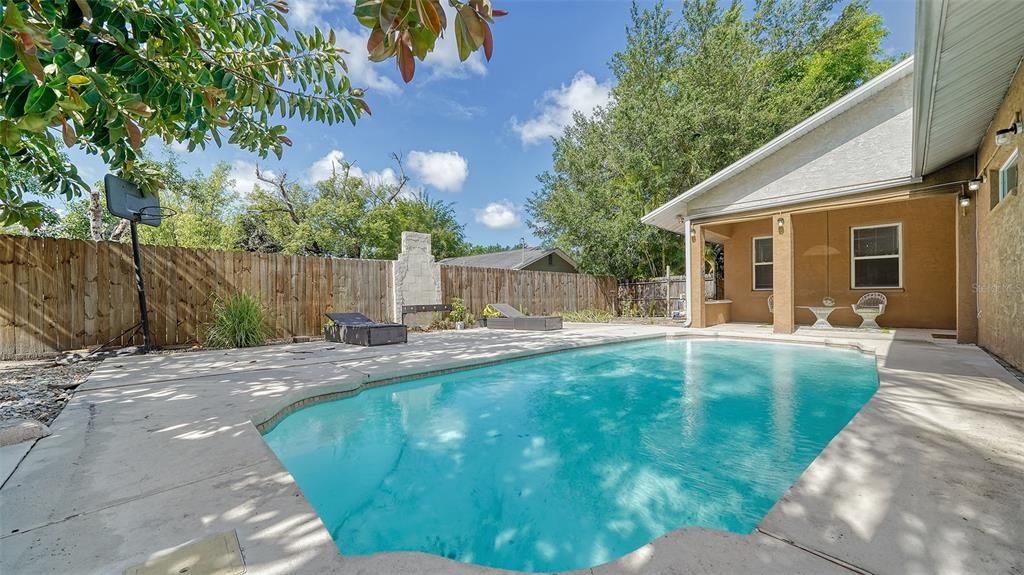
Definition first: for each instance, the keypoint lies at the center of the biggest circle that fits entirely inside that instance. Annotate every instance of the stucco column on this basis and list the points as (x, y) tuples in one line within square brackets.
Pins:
[(782, 273), (966, 271), (695, 276), (417, 279)]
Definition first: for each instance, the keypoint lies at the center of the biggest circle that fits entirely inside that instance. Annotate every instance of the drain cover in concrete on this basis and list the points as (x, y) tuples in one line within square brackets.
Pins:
[(216, 555)]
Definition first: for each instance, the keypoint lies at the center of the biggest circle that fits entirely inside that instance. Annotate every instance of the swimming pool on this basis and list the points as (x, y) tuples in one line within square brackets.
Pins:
[(572, 459)]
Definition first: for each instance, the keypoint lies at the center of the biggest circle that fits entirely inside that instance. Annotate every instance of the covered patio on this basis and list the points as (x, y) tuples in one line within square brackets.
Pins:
[(809, 265)]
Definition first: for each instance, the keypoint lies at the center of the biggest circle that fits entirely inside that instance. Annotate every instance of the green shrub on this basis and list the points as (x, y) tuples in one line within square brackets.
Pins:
[(587, 316), (490, 312), (458, 312), (239, 320)]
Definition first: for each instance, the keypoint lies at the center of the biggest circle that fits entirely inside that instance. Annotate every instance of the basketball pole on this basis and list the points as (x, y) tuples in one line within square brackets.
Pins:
[(140, 285)]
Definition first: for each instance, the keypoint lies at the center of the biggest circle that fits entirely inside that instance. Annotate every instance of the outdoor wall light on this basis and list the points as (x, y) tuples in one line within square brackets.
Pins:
[(693, 234), (782, 224), (973, 185), (1003, 136)]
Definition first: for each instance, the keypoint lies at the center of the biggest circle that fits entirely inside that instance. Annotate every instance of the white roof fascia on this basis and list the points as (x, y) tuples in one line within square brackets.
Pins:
[(928, 30)]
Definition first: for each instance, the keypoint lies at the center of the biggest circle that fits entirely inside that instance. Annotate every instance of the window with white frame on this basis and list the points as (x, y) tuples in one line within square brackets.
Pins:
[(1009, 175), (763, 268), (877, 260)]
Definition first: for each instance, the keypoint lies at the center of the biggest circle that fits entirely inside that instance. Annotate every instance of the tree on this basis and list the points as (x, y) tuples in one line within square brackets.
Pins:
[(693, 94), (105, 75)]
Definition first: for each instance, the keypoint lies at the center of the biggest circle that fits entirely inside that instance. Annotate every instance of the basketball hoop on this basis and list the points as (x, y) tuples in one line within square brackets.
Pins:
[(125, 200), (154, 212)]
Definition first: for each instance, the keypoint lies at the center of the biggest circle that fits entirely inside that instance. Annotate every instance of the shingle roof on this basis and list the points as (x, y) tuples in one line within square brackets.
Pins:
[(515, 259)]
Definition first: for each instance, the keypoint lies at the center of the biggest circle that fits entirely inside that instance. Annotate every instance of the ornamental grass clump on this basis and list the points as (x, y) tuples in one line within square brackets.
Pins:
[(239, 320)]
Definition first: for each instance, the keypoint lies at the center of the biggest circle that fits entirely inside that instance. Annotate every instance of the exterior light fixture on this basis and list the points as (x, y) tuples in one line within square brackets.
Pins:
[(965, 202), (693, 234), (973, 185), (782, 223), (1003, 136)]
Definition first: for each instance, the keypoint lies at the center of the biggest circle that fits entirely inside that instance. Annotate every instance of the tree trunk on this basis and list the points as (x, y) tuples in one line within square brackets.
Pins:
[(95, 216)]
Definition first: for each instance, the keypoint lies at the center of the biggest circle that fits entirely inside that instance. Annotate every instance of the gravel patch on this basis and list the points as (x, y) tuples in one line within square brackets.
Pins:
[(38, 389)]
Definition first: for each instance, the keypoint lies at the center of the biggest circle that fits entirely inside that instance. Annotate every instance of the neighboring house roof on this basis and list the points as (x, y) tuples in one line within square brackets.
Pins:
[(862, 141), (967, 53), (516, 259)]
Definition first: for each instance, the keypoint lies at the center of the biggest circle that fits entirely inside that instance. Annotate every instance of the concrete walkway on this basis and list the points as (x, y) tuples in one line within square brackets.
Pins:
[(157, 451)]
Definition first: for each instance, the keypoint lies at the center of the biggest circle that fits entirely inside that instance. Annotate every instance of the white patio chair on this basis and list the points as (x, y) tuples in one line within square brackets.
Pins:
[(868, 307), (771, 304)]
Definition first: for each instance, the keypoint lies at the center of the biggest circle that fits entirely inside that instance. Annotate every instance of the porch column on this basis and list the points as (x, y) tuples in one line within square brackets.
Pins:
[(782, 273), (695, 276), (966, 271)]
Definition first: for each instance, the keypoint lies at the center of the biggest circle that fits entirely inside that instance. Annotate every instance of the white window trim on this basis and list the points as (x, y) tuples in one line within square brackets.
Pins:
[(899, 254), (1003, 190), (755, 263)]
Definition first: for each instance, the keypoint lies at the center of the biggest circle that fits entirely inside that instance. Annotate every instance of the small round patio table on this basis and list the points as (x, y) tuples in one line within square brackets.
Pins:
[(821, 312)]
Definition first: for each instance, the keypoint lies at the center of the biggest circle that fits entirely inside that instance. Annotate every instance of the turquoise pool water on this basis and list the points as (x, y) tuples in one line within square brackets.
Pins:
[(572, 459)]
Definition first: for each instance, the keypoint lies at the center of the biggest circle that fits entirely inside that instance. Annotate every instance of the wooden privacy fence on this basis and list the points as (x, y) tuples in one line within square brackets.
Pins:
[(534, 292), (70, 294)]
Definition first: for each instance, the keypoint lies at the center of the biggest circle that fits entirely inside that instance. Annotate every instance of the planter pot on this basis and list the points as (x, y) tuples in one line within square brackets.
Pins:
[(460, 325), (482, 322)]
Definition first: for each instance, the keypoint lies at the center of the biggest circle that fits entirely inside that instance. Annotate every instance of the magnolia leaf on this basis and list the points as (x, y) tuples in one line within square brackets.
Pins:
[(78, 80), (33, 123), (40, 100), (139, 108), (428, 15), (474, 25), (134, 134), (488, 41), (29, 59), (376, 41), (68, 133), (6, 47), (406, 63), (392, 12), (462, 39), (13, 18), (368, 12), (441, 16), (423, 40)]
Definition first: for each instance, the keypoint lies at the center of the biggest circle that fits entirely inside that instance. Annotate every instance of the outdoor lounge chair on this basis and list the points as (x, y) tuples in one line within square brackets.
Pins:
[(868, 307), (357, 329), (514, 319)]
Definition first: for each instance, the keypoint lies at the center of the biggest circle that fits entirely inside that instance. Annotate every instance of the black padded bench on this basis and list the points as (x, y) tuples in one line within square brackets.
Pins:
[(357, 329)]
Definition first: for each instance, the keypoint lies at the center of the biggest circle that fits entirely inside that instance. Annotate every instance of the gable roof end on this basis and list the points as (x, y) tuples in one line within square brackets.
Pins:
[(668, 215)]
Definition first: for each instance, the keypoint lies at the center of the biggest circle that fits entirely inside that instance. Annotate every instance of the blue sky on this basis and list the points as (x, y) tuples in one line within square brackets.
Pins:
[(475, 133)]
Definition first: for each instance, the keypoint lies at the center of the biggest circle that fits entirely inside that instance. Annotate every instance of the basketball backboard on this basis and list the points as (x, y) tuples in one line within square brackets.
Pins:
[(125, 200)]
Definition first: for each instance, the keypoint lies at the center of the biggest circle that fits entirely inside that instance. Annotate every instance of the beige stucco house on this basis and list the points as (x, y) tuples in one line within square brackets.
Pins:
[(907, 186)]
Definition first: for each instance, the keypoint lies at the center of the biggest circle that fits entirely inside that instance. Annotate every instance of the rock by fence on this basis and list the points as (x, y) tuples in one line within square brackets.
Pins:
[(58, 294)]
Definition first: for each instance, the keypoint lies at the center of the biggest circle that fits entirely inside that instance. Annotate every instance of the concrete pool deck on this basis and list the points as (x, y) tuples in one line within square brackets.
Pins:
[(157, 451)]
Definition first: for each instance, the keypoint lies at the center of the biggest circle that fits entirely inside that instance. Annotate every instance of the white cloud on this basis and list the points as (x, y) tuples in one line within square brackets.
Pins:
[(326, 166), (556, 107), (498, 215), (244, 175), (446, 171), (333, 162), (361, 71), (309, 13)]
